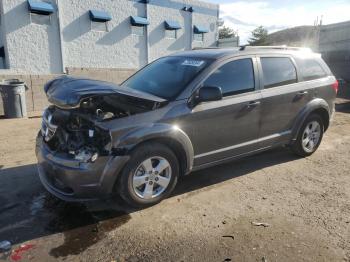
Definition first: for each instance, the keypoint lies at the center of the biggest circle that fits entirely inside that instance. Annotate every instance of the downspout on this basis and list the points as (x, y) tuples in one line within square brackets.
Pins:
[(60, 26), (217, 26), (147, 36), (191, 34)]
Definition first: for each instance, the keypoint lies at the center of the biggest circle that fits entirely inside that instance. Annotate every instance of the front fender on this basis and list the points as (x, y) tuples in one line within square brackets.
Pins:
[(313, 105), (158, 131)]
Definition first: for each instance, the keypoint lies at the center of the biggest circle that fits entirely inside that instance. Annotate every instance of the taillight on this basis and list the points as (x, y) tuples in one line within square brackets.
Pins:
[(335, 86)]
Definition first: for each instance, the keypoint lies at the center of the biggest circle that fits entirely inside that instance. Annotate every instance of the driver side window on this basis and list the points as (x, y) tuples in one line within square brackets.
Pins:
[(234, 77)]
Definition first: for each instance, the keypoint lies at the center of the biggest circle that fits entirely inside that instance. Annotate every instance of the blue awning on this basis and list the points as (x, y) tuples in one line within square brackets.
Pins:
[(42, 8), (200, 29), (172, 25), (100, 16), (139, 21)]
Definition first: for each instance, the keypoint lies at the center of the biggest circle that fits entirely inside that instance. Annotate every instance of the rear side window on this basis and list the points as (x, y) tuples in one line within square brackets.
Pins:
[(311, 69), (235, 77), (278, 71)]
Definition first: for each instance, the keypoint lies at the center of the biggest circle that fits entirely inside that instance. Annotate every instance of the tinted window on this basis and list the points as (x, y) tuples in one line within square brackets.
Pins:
[(278, 71), (166, 77), (234, 77), (311, 69)]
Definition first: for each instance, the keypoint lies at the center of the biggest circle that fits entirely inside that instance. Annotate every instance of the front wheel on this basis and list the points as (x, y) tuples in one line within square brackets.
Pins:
[(150, 175), (309, 137)]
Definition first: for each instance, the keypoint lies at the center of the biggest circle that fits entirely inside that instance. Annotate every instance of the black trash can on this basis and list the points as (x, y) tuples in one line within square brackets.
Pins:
[(14, 98)]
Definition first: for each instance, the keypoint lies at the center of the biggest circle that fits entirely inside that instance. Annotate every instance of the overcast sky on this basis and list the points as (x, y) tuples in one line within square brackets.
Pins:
[(275, 15)]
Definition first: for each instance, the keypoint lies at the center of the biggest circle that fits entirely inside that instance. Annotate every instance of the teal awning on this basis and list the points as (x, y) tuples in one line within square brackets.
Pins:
[(200, 29), (42, 8), (172, 25), (139, 21), (99, 16)]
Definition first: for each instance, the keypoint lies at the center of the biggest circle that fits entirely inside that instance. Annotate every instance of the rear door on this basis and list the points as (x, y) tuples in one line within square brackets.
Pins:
[(283, 97), (229, 127)]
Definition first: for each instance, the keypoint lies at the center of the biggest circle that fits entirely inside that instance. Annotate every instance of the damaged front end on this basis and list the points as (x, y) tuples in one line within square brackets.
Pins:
[(70, 125), (74, 134), (74, 152)]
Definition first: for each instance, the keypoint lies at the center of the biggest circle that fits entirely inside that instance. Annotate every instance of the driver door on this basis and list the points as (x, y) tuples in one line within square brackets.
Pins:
[(228, 127)]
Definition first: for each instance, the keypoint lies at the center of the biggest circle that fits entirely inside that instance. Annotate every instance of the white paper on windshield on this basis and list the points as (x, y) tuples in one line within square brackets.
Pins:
[(195, 63)]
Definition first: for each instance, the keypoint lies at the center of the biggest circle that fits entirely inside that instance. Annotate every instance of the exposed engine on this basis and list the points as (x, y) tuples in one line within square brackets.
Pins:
[(65, 131), (73, 132), (70, 126)]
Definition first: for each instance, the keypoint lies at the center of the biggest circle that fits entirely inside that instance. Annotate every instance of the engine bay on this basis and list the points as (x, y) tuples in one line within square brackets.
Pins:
[(72, 131)]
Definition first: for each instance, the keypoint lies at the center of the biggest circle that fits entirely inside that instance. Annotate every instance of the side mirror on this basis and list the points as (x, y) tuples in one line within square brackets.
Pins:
[(209, 93)]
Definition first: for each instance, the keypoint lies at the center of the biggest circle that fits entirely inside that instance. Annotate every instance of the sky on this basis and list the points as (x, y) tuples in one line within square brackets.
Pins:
[(245, 16)]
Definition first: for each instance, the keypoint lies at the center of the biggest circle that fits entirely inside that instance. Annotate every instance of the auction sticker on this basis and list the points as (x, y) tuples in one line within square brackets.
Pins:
[(195, 63)]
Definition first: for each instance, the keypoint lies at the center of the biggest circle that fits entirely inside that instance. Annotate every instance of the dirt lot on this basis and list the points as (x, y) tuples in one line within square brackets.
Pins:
[(305, 202)]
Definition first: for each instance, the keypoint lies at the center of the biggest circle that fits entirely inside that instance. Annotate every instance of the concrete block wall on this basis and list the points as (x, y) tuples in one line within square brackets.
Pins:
[(36, 100), (35, 96), (113, 75)]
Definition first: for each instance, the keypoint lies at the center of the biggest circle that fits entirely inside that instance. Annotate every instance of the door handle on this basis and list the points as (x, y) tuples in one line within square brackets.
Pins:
[(252, 104), (302, 93)]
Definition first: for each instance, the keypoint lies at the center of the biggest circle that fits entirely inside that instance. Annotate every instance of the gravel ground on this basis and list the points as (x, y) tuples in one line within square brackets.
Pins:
[(304, 205)]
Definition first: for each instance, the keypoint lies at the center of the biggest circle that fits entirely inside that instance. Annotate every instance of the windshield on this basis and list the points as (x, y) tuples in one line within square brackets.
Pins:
[(166, 77)]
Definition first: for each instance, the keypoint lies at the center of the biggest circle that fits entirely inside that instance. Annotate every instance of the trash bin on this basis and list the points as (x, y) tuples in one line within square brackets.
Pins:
[(14, 98)]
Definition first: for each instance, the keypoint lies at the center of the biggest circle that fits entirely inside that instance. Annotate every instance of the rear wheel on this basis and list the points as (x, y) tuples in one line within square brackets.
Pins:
[(309, 137), (150, 175)]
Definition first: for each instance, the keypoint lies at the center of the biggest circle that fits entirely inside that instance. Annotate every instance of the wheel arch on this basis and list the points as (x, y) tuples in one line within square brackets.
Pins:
[(316, 106), (174, 146), (171, 136)]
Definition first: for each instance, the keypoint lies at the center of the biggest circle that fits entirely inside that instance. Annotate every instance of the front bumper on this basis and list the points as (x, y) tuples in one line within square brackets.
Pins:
[(73, 180)]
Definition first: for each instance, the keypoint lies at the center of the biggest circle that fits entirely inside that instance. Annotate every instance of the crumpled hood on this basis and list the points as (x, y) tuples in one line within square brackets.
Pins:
[(67, 92)]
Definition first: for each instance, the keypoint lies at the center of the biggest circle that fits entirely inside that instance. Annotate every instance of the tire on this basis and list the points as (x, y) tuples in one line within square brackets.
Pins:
[(137, 172), (308, 148)]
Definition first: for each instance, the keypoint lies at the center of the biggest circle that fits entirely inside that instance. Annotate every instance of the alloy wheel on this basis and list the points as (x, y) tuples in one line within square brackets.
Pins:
[(311, 136), (152, 177)]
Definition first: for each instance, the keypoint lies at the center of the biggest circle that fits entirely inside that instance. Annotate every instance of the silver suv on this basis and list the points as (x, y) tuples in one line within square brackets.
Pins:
[(181, 113)]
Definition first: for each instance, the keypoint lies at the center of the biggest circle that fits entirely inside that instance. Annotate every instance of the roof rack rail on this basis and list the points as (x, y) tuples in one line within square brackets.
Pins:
[(279, 47), (201, 48)]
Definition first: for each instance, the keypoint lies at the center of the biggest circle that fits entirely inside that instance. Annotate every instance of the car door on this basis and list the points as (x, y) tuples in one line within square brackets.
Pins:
[(228, 127), (282, 98)]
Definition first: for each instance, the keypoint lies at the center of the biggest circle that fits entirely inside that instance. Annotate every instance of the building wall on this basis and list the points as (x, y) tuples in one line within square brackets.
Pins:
[(30, 47), (159, 44), (204, 15), (36, 49), (335, 37), (334, 45), (92, 49)]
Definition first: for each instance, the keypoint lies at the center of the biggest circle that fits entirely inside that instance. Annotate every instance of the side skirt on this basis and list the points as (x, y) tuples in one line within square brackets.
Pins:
[(229, 159)]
